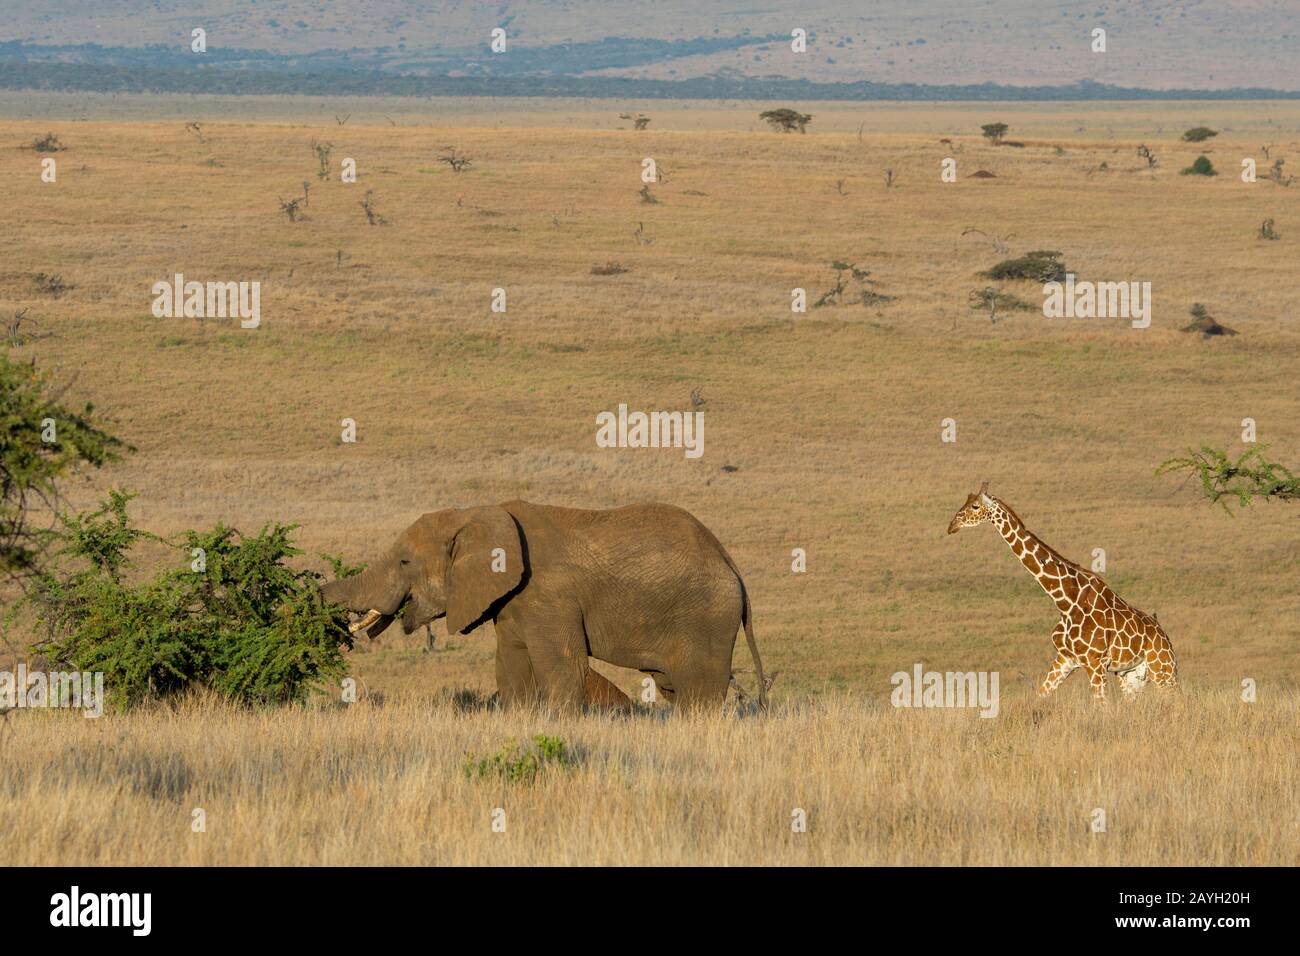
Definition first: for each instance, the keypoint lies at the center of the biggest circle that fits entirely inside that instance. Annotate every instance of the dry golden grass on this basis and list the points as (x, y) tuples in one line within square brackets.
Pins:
[(832, 418), (1191, 779)]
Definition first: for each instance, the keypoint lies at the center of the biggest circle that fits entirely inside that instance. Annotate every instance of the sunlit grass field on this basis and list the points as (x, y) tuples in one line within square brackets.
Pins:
[(1191, 780), (828, 422)]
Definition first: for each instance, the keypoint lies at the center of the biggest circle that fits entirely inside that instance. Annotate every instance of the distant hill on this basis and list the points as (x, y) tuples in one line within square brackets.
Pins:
[(20, 75), (916, 48)]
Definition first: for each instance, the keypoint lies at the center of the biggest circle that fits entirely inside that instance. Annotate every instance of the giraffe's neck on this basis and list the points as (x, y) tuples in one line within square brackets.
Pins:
[(1047, 566)]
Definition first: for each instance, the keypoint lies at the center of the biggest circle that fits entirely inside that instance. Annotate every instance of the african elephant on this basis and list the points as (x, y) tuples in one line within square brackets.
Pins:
[(646, 587)]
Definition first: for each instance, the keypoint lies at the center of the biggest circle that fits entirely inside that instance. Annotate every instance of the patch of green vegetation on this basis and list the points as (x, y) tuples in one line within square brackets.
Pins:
[(1202, 167), (521, 763)]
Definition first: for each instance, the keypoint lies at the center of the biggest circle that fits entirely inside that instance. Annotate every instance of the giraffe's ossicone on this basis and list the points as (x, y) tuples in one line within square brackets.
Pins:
[(1098, 631)]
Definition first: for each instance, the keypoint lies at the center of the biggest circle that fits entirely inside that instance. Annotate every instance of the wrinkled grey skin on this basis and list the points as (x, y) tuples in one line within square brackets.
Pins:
[(646, 587)]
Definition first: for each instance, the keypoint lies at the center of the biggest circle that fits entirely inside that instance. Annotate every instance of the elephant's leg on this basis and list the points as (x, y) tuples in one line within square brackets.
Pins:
[(600, 692), (516, 683), (558, 651), (701, 680)]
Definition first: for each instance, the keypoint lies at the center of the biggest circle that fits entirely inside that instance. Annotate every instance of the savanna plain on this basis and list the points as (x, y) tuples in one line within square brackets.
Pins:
[(823, 433)]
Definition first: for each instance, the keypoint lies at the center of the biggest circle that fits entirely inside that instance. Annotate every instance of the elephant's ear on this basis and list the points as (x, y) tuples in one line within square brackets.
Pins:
[(486, 564)]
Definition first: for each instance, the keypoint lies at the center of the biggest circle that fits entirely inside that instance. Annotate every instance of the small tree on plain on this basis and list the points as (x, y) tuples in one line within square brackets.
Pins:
[(322, 151), (455, 160), (994, 301), (844, 271), (1206, 324), (49, 143), (14, 334), (786, 120), (994, 132), (290, 208)]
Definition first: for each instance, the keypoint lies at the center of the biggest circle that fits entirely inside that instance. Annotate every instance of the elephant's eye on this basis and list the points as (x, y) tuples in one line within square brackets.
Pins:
[(403, 561)]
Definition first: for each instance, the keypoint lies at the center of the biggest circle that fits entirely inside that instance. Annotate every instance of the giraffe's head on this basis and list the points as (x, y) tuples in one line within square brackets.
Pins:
[(977, 509)]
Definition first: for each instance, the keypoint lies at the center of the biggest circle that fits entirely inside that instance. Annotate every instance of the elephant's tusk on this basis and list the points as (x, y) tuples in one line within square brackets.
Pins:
[(357, 627)]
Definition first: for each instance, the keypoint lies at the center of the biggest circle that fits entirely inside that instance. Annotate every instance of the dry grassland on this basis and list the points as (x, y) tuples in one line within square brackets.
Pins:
[(831, 421), (1193, 780)]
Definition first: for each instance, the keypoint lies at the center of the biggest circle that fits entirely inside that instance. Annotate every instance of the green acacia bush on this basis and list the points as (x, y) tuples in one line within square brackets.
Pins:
[(41, 442), (234, 617), (1040, 265), (786, 120), (1249, 477)]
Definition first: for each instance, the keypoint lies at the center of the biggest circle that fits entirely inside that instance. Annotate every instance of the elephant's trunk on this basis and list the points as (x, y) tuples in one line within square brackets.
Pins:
[(360, 594), (342, 591)]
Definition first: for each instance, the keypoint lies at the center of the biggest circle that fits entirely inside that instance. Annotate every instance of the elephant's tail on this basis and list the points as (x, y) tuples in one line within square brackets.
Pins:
[(747, 619)]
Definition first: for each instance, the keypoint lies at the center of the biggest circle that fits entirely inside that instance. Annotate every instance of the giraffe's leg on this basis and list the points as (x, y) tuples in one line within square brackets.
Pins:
[(1096, 675), (1160, 661), (1062, 667)]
